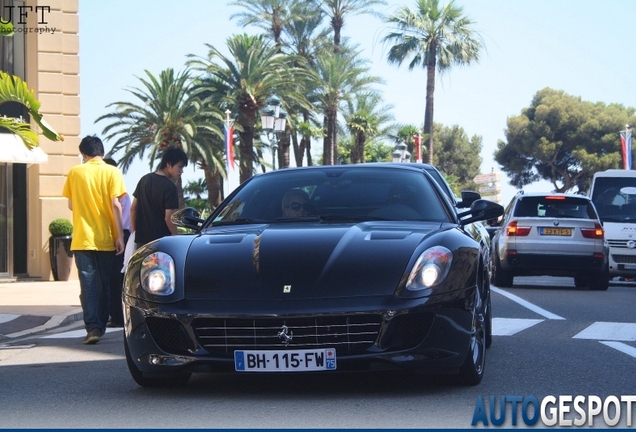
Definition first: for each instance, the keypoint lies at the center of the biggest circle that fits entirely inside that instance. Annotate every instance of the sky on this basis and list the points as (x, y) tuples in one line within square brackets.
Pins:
[(581, 47)]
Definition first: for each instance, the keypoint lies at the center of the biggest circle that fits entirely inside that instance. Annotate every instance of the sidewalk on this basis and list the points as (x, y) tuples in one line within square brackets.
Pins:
[(32, 307)]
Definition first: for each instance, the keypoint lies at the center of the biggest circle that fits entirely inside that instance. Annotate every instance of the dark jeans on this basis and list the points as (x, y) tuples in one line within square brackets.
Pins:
[(116, 284), (94, 269)]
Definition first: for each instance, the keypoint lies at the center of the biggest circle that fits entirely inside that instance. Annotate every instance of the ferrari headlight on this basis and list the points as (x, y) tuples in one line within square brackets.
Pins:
[(157, 274), (430, 269)]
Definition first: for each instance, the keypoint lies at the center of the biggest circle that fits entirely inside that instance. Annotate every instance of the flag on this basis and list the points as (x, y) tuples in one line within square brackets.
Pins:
[(417, 139), (229, 145), (626, 148)]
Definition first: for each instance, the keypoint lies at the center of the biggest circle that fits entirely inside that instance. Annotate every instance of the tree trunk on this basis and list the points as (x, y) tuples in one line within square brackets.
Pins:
[(326, 142), (246, 144), (283, 147), (430, 91), (214, 181)]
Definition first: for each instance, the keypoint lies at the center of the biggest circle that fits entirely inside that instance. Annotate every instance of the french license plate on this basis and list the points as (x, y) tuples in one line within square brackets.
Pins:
[(629, 266), (555, 231), (285, 360)]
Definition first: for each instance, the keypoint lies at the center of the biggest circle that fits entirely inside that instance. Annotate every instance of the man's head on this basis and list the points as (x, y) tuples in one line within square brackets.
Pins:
[(91, 146), (172, 162), (295, 203)]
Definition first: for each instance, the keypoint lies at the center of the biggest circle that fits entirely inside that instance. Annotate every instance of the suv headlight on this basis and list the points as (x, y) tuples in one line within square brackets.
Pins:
[(430, 269), (157, 274)]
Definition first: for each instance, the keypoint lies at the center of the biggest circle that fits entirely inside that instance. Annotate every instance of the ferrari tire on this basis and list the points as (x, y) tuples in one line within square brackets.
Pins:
[(163, 380), (472, 370), (501, 277)]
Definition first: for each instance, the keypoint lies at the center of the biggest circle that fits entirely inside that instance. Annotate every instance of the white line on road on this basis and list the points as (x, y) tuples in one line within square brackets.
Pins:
[(76, 334), (7, 317), (526, 304), (629, 350)]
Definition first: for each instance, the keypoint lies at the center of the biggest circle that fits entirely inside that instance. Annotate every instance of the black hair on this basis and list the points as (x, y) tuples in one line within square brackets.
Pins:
[(172, 156), (110, 161), (91, 146)]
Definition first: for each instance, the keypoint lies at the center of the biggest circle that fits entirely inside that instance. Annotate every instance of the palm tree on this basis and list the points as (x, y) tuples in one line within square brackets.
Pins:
[(364, 117), (436, 38), (338, 10), (168, 114), (337, 76), (13, 89), (270, 15), (253, 72)]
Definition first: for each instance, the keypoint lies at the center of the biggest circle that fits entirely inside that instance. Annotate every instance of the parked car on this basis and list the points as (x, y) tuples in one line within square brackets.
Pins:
[(378, 273), (551, 234)]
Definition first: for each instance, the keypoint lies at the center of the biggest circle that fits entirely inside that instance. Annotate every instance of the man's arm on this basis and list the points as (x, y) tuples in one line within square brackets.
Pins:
[(133, 215), (119, 243), (70, 204), (168, 218)]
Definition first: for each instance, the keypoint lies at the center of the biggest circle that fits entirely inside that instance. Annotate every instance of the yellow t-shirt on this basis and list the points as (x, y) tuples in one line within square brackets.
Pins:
[(91, 187)]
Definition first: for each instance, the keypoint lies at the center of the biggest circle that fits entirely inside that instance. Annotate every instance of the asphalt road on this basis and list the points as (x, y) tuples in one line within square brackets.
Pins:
[(550, 339)]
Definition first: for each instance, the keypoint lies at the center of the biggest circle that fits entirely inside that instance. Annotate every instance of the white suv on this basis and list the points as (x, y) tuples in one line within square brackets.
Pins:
[(551, 234)]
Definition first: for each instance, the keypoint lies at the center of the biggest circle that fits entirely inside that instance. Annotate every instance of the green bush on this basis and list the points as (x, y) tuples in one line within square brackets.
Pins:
[(61, 227)]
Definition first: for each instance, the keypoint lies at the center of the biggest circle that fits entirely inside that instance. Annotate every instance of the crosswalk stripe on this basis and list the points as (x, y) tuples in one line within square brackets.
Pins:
[(609, 331), (511, 326)]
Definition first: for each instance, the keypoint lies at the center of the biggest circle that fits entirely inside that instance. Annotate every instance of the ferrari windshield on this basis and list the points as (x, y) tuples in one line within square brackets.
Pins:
[(333, 194)]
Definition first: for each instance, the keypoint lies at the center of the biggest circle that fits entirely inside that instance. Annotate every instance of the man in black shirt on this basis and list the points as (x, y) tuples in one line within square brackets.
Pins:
[(156, 199)]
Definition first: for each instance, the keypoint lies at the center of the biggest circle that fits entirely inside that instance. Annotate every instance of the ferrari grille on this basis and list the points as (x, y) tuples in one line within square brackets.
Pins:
[(345, 333)]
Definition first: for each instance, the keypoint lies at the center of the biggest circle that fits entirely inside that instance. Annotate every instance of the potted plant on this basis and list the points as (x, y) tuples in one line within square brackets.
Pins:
[(61, 230)]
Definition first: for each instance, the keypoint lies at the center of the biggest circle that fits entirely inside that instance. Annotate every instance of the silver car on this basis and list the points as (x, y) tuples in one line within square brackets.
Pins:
[(552, 234)]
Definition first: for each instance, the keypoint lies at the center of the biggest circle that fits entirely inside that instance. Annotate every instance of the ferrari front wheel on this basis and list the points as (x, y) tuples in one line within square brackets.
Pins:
[(472, 370)]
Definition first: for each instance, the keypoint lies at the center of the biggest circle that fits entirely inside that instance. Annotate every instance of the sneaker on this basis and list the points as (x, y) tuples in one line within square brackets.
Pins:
[(93, 336)]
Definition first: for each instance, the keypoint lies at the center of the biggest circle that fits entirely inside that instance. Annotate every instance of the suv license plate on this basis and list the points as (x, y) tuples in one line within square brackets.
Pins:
[(285, 360), (555, 231)]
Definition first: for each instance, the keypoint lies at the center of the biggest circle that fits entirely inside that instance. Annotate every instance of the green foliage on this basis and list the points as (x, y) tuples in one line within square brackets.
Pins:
[(61, 227), (457, 156), (562, 139), (13, 89)]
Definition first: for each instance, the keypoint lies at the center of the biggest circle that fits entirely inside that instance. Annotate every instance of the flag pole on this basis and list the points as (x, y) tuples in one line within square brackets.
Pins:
[(229, 132)]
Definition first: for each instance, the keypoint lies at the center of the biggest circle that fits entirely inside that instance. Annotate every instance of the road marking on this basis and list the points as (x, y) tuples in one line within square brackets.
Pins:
[(511, 326), (609, 331), (76, 334), (527, 304), (629, 350), (7, 317)]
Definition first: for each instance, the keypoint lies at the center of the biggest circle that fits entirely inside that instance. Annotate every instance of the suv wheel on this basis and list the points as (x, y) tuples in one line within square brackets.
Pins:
[(500, 277), (581, 281), (599, 281)]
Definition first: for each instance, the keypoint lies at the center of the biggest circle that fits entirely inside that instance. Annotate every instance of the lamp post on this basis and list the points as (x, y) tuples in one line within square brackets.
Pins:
[(401, 154), (273, 119)]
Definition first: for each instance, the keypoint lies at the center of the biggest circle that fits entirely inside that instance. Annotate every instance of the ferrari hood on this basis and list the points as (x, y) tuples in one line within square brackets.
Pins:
[(301, 261)]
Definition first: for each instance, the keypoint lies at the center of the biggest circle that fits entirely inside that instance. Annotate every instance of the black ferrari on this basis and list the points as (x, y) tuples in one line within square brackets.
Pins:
[(314, 270)]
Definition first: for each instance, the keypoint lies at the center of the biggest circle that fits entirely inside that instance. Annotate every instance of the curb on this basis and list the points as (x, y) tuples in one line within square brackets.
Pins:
[(53, 322)]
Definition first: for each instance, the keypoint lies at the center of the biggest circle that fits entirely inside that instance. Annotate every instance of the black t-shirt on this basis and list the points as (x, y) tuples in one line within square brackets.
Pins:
[(155, 194)]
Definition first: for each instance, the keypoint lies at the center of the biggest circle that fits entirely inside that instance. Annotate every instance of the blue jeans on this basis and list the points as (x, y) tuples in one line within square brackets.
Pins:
[(94, 270)]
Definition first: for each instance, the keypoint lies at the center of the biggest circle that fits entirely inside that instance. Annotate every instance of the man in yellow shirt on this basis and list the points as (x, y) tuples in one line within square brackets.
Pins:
[(93, 190)]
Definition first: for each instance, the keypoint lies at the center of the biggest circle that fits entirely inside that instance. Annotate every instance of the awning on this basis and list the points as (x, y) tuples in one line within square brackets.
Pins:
[(13, 150)]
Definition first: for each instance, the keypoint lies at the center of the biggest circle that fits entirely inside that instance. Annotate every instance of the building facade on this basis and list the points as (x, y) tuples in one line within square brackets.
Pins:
[(44, 52)]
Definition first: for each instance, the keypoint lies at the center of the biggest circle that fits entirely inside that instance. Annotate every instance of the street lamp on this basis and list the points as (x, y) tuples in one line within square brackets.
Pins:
[(401, 154), (273, 119)]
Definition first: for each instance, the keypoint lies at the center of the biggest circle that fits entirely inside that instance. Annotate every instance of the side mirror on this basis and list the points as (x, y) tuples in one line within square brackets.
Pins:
[(188, 218), (480, 210), (468, 198)]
